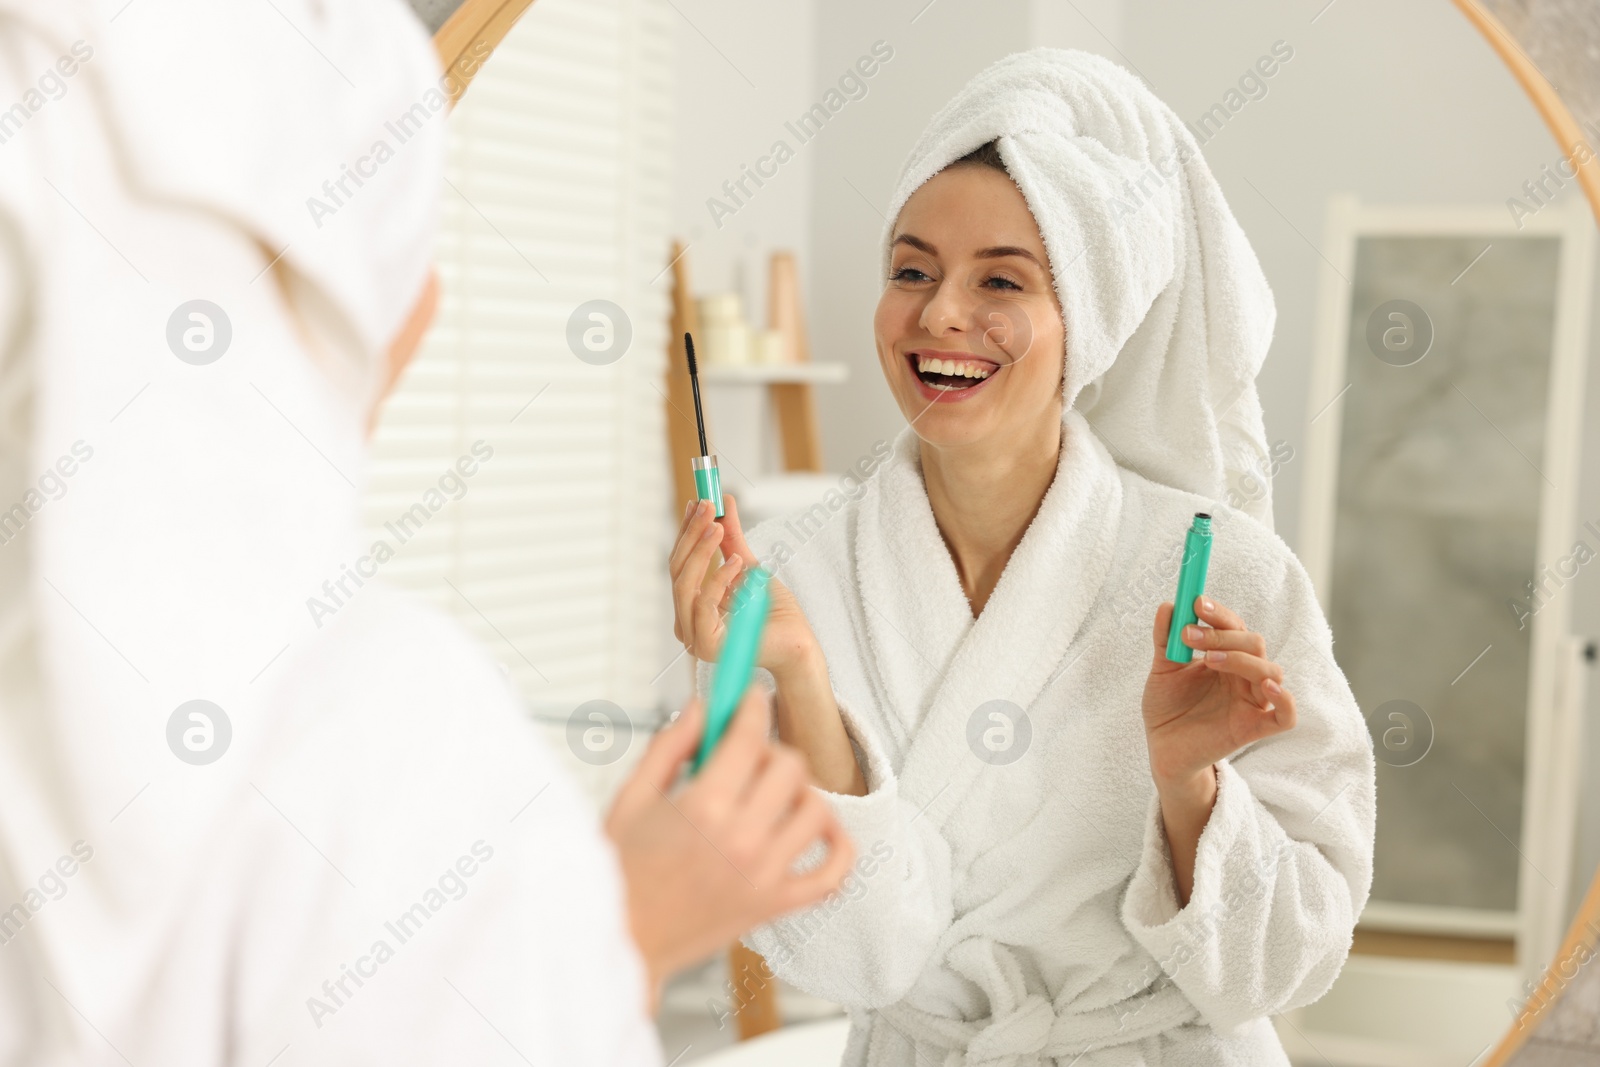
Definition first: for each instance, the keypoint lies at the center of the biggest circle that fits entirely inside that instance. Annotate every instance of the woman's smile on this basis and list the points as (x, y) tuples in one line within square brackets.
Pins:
[(946, 376)]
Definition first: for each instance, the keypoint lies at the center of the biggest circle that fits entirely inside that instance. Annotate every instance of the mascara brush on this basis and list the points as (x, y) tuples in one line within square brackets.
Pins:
[(707, 478)]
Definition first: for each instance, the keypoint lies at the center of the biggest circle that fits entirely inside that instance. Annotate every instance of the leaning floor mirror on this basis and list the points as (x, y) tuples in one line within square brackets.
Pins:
[(1441, 472)]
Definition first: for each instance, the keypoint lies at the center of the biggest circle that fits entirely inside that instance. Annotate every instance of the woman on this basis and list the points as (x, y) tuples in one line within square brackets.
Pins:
[(1084, 853), (354, 849)]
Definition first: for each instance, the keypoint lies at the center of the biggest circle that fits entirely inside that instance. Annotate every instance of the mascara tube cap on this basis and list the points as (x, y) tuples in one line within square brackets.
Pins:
[(708, 481)]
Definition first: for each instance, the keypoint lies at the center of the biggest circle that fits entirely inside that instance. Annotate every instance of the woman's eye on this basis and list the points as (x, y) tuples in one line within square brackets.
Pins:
[(908, 274), (1002, 283)]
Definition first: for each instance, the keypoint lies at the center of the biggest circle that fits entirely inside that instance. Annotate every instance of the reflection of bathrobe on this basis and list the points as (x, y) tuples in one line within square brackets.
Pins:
[(1026, 910)]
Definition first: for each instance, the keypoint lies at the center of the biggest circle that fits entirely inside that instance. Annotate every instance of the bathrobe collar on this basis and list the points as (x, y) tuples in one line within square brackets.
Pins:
[(938, 666)]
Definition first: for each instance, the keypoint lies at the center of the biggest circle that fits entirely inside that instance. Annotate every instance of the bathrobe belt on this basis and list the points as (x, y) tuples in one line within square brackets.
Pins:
[(1033, 1030)]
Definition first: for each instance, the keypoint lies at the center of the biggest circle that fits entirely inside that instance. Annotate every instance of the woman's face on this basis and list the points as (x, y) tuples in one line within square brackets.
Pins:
[(968, 328)]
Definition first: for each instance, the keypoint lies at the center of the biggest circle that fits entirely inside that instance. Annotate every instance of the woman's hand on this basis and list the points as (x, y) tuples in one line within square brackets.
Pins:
[(807, 714), (1198, 712), (701, 604), (715, 860)]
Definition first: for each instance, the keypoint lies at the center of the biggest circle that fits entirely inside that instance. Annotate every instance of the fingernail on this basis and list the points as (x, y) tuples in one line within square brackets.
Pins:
[(709, 531), (1207, 606), (1216, 656), (1191, 633), (688, 508), (1272, 688)]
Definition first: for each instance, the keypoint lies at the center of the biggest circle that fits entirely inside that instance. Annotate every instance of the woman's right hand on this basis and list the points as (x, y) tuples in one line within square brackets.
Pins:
[(807, 713), (700, 605)]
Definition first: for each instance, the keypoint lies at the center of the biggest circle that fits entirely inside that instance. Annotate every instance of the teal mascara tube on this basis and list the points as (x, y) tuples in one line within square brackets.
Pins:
[(1191, 584), (747, 617)]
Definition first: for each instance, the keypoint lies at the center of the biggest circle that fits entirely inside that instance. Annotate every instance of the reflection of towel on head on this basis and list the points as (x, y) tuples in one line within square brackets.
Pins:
[(173, 492), (1168, 315)]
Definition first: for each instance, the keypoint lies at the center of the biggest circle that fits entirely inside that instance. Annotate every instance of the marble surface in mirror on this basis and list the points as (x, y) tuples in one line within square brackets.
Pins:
[(1435, 536)]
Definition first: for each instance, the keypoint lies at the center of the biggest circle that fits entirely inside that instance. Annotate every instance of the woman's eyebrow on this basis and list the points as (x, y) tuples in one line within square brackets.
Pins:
[(996, 252), (917, 243), (1000, 251)]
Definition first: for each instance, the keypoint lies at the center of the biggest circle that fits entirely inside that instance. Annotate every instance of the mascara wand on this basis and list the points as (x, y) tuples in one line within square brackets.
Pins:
[(707, 478)]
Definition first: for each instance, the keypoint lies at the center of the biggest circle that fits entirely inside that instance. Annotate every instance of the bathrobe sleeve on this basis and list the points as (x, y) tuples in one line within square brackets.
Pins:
[(1284, 864), (865, 944)]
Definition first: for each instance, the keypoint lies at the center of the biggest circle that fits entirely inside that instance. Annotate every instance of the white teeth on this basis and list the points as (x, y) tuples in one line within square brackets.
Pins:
[(928, 365)]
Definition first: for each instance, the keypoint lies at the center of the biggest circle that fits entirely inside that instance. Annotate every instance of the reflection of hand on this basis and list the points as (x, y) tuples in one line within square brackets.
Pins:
[(1198, 712), (700, 602), (714, 861), (808, 716), (1228, 696)]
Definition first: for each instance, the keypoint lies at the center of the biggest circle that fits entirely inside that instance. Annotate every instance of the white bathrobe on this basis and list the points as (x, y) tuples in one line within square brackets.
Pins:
[(1020, 909)]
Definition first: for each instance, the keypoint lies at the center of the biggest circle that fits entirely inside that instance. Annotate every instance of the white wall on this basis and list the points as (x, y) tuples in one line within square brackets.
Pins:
[(1093, 25), (742, 70)]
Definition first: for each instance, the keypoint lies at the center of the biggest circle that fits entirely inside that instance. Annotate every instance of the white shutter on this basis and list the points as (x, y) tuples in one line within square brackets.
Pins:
[(559, 160)]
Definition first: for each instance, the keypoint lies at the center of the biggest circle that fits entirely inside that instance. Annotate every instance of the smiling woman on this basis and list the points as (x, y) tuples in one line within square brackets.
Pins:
[(1076, 384)]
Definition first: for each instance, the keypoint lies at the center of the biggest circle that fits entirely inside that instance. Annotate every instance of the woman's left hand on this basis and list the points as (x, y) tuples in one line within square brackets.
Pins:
[(1230, 695)]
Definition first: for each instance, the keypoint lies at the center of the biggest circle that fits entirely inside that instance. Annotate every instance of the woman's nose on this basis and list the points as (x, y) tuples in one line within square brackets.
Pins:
[(949, 309)]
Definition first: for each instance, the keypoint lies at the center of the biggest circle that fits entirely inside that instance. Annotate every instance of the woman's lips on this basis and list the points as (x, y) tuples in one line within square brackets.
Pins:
[(966, 368)]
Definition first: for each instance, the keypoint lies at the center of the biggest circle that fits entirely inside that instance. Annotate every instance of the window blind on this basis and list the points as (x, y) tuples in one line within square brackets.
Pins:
[(558, 194)]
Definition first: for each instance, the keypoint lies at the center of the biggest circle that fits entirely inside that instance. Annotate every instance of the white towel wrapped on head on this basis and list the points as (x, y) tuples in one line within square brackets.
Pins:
[(1168, 315)]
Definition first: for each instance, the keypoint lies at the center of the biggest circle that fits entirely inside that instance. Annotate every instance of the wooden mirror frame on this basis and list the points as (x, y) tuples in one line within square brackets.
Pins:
[(1563, 126), (1583, 934), (471, 33)]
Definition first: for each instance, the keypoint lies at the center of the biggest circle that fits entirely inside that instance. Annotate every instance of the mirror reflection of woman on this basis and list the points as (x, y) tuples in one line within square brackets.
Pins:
[(1069, 845)]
